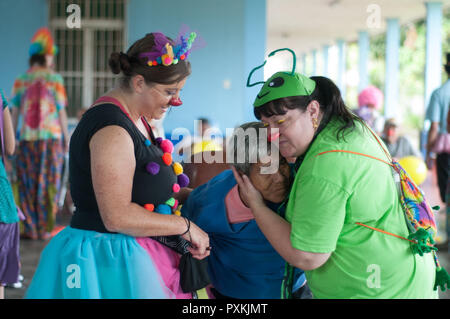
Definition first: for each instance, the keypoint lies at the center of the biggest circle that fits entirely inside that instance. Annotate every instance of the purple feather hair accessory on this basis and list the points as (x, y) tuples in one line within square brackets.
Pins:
[(167, 52), (159, 48)]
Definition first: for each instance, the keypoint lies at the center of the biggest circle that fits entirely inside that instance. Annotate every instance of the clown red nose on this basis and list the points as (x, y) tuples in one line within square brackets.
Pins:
[(175, 101)]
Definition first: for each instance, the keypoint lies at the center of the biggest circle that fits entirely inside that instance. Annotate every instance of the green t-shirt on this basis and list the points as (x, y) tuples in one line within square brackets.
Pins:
[(332, 192)]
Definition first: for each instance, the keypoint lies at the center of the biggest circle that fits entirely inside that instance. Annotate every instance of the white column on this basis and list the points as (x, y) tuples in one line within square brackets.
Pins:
[(314, 63), (392, 68), (341, 67), (325, 60), (364, 49), (433, 62)]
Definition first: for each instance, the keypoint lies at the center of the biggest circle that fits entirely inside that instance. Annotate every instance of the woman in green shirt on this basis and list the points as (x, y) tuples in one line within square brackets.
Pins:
[(332, 192)]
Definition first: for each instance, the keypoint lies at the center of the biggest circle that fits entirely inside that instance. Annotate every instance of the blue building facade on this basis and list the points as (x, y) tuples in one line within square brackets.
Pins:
[(234, 33)]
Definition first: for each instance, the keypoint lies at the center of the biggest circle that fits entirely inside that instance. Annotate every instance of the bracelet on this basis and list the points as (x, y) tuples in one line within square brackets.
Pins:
[(188, 224)]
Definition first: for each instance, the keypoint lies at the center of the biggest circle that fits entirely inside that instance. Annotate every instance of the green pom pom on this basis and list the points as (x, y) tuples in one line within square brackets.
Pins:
[(421, 239), (170, 202), (442, 279), (437, 207)]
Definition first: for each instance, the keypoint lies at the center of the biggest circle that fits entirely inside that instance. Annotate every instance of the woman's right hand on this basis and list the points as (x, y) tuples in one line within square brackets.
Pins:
[(199, 242)]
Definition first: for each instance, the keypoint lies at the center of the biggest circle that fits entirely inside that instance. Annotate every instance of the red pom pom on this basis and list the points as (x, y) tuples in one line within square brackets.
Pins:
[(176, 188), (149, 207), (167, 158), (182, 57)]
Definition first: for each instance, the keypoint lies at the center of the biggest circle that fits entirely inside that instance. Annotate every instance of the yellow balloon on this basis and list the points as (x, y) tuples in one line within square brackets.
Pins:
[(206, 146), (415, 167)]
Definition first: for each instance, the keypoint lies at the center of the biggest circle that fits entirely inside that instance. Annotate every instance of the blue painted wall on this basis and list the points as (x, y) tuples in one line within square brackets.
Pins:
[(234, 32), (19, 20), (235, 35)]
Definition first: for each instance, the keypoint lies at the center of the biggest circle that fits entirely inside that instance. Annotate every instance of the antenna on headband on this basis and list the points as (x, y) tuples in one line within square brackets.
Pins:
[(294, 63)]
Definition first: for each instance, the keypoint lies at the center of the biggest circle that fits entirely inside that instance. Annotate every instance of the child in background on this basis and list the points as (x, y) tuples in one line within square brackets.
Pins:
[(9, 219)]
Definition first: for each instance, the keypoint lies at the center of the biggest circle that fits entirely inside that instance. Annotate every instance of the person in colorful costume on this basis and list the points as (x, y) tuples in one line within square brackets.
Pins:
[(125, 188), (243, 264), (38, 103), (335, 192), (9, 218)]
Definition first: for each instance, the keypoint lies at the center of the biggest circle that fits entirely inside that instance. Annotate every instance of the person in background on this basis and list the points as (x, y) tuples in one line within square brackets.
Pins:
[(242, 263), (369, 104), (9, 219), (398, 145), (447, 198), (38, 102), (438, 142)]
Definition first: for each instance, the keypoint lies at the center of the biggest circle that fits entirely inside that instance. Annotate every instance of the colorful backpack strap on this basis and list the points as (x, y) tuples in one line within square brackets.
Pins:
[(418, 214)]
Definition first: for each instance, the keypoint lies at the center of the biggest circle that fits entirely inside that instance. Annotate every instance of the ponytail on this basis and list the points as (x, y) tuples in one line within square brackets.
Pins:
[(332, 105)]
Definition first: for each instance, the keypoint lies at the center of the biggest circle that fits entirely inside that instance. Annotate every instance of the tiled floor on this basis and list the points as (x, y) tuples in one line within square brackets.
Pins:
[(31, 250)]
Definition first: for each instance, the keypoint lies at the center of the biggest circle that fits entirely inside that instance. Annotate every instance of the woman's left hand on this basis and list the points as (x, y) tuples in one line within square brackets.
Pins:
[(250, 195)]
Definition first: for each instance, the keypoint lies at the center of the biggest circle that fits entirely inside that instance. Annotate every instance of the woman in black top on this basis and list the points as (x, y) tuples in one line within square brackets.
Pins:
[(125, 188)]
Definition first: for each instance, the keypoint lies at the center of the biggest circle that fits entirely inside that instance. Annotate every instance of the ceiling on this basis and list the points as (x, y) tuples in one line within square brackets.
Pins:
[(304, 25)]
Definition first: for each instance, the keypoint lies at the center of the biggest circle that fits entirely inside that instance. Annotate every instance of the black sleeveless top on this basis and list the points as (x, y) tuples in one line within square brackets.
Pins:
[(147, 188)]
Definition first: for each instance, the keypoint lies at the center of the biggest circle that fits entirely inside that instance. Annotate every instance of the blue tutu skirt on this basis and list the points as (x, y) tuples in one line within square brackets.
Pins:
[(90, 265)]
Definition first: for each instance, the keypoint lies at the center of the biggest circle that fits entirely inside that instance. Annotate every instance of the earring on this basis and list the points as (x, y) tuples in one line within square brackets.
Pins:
[(314, 123)]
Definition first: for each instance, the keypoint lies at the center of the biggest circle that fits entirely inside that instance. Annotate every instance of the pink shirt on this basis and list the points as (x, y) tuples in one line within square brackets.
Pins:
[(237, 212)]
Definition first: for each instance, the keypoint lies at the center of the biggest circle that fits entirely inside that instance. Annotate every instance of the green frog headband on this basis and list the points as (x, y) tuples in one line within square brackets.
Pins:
[(282, 84)]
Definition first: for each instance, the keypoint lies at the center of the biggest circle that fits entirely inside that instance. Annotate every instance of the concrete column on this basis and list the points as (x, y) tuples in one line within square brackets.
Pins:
[(304, 63), (392, 68), (314, 63), (433, 60), (363, 60), (341, 67), (325, 60)]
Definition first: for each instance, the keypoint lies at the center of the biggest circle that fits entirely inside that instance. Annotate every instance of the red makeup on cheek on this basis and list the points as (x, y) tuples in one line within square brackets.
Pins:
[(273, 136)]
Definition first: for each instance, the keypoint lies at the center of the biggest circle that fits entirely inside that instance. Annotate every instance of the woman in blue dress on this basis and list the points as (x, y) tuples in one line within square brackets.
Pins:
[(125, 188)]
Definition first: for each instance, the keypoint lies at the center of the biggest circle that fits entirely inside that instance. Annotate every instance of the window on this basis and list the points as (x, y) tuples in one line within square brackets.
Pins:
[(84, 53)]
